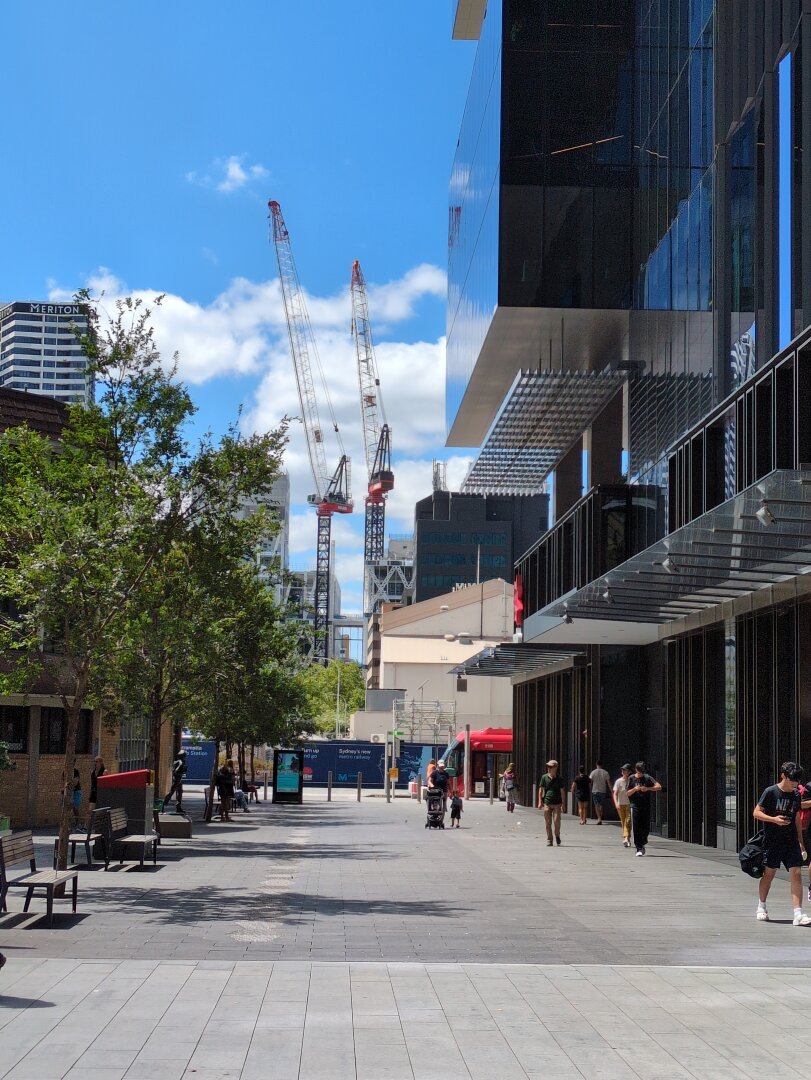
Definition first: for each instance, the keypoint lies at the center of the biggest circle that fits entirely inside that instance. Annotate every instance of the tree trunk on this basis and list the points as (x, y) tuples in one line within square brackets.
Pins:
[(155, 736), (241, 763), (253, 767), (72, 713), (212, 782)]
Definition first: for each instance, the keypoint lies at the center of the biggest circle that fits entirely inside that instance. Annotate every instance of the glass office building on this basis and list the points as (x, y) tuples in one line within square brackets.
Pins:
[(630, 236)]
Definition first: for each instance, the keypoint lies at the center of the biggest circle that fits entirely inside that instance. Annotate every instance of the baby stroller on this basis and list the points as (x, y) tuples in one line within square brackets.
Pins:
[(435, 807)]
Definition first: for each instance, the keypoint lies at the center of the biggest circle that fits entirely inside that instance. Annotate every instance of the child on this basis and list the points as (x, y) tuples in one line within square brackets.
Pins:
[(456, 811)]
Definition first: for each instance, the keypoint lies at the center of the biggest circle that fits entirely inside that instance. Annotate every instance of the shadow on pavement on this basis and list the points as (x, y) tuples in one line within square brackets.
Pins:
[(8, 1002)]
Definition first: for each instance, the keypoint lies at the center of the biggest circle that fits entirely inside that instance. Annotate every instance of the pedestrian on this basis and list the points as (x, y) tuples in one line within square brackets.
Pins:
[(641, 786), (98, 770), (225, 788), (600, 789), (779, 810), (581, 788), (179, 770), (440, 778), (509, 784), (805, 818), (76, 795), (552, 797), (456, 811), (623, 803), (2, 961)]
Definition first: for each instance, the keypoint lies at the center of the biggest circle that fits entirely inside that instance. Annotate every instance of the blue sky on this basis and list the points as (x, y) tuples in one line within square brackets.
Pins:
[(144, 141)]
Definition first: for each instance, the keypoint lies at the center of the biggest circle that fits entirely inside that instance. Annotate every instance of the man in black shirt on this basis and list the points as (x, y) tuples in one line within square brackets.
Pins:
[(779, 810), (179, 770), (641, 786), (552, 797), (439, 778)]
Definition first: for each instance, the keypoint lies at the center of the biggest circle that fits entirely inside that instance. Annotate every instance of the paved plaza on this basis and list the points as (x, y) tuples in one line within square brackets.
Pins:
[(344, 940)]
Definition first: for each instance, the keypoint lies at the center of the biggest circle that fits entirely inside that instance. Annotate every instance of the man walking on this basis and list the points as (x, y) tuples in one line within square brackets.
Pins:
[(779, 810), (623, 803), (600, 789), (179, 770), (641, 786), (551, 797)]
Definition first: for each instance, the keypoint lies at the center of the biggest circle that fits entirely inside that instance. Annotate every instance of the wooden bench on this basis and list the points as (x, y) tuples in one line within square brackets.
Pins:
[(19, 848), (97, 829), (119, 834)]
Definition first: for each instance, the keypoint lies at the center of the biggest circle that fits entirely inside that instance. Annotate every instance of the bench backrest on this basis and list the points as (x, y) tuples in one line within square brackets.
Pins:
[(97, 821), (17, 848), (118, 820)]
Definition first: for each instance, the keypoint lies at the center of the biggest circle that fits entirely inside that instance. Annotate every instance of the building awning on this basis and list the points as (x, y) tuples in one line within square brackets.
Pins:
[(756, 539), (542, 416), (507, 661)]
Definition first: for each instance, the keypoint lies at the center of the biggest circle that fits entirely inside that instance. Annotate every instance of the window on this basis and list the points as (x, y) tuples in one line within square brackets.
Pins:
[(14, 727), (53, 729), (489, 539)]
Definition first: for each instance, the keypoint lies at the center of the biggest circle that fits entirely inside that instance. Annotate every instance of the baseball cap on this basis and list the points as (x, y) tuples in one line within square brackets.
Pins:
[(550, 763)]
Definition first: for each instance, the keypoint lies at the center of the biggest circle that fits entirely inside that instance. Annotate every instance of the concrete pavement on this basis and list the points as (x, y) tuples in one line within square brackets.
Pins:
[(345, 940)]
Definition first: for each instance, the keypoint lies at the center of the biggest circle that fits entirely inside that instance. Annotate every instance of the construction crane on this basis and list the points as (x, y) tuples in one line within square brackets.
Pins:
[(332, 491), (376, 435)]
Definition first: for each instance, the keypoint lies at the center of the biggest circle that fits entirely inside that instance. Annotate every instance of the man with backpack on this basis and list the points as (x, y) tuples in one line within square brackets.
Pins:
[(779, 811)]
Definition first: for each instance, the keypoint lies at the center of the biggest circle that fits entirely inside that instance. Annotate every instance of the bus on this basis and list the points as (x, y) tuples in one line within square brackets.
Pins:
[(490, 752)]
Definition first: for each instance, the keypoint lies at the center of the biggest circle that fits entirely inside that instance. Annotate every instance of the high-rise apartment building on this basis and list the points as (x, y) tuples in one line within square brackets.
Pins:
[(40, 352), (629, 320)]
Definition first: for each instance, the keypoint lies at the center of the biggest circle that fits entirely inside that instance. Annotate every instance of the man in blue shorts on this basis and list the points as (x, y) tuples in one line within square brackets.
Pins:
[(779, 811)]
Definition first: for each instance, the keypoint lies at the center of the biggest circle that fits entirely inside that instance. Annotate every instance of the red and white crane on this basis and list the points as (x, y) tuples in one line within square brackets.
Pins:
[(376, 435), (332, 491)]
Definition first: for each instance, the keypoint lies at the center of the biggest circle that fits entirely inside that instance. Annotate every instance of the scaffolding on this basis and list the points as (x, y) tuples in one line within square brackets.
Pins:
[(425, 721)]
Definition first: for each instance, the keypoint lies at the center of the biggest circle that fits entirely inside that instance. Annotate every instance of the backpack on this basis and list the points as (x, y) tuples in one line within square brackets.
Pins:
[(752, 857)]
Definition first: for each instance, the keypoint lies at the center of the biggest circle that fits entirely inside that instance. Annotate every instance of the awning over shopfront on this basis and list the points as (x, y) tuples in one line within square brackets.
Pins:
[(542, 416), (506, 661), (758, 538)]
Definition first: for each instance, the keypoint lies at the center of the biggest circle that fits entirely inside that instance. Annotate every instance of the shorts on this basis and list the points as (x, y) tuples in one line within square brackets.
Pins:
[(77, 799), (599, 797), (788, 854)]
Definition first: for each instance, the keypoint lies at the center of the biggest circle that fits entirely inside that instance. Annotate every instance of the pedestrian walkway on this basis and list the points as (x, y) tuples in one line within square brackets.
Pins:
[(345, 940)]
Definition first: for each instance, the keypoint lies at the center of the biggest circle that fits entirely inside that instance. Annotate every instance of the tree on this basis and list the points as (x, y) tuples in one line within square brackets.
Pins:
[(323, 694), (90, 528)]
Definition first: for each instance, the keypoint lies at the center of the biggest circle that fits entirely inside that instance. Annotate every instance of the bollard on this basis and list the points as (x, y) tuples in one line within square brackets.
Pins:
[(329, 786), (266, 785), (419, 788), (492, 788), (534, 796), (360, 784)]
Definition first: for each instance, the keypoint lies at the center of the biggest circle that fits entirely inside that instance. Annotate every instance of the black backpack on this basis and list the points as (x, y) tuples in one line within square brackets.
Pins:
[(752, 857)]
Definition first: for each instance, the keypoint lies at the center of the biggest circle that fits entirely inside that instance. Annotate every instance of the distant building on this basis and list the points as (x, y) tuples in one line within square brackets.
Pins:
[(391, 581), (300, 590), (273, 553), (40, 353), (460, 539)]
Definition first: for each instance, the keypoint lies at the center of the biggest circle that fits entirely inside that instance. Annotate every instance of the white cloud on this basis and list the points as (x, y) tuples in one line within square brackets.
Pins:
[(229, 174), (242, 333)]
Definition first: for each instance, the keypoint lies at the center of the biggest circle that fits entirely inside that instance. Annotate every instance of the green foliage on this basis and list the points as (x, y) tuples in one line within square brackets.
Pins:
[(323, 694), (6, 764), (121, 547)]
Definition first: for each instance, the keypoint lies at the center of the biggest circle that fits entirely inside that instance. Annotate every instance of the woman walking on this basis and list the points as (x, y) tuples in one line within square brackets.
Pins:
[(225, 788), (509, 783), (98, 770), (581, 787)]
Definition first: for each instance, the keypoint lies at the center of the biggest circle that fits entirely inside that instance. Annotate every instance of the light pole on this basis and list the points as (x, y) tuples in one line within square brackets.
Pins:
[(338, 661)]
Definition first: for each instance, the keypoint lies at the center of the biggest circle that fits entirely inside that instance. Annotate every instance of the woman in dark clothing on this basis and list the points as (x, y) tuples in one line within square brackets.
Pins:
[(581, 787), (98, 770), (226, 778)]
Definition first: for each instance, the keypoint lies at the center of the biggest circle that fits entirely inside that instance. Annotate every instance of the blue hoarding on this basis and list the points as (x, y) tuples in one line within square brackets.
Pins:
[(199, 760), (346, 759)]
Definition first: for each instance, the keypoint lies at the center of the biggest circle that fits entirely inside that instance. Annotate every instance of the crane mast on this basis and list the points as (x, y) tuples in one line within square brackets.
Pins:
[(376, 435), (332, 491)]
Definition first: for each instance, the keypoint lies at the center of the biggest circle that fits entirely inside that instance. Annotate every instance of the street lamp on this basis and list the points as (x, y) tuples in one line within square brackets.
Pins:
[(338, 662)]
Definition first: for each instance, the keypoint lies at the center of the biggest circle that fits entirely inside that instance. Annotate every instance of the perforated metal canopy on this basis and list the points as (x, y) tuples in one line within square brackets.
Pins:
[(504, 661), (758, 538), (541, 417)]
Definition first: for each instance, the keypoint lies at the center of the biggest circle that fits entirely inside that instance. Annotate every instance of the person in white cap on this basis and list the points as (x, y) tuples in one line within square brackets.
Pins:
[(552, 799)]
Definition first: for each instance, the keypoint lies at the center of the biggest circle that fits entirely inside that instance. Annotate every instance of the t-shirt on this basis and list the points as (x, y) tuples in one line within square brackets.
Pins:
[(643, 797), (600, 781), (552, 788), (776, 801), (621, 791), (583, 787), (439, 779)]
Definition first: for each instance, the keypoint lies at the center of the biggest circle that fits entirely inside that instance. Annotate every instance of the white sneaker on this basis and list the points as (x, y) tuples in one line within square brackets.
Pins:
[(639, 854), (626, 843), (762, 915), (802, 920)]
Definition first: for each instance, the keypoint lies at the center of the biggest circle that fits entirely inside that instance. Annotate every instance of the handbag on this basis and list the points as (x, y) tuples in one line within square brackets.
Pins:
[(752, 856)]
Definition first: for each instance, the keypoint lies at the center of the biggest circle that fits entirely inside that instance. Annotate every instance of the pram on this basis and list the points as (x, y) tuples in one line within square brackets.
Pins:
[(435, 807)]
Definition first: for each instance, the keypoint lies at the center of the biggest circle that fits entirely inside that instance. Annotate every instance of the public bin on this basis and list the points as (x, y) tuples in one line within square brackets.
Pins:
[(133, 792)]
